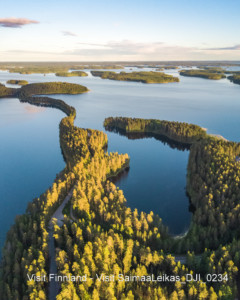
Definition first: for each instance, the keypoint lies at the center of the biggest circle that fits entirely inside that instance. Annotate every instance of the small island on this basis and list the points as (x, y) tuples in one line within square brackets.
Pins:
[(72, 74), (144, 77), (207, 74), (18, 82), (235, 78)]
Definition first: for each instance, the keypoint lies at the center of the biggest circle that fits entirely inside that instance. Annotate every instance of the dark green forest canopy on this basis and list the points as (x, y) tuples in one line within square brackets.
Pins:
[(19, 82), (145, 77), (208, 74), (53, 88), (182, 132), (235, 78)]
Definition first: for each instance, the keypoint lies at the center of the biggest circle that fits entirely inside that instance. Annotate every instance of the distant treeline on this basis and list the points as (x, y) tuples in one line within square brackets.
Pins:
[(213, 69), (98, 67), (145, 77), (45, 68)]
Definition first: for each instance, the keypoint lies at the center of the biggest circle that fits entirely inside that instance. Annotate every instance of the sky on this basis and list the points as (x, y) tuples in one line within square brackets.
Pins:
[(110, 30)]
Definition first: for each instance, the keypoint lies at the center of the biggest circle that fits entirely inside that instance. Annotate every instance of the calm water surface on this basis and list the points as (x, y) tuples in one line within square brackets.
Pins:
[(31, 157)]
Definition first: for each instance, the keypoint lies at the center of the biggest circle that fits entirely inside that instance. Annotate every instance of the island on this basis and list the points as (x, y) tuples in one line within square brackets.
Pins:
[(18, 82), (207, 74), (144, 77), (235, 78), (72, 74)]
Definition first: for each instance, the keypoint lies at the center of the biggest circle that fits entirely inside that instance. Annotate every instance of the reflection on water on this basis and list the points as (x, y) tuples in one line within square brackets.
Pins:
[(144, 135), (156, 178)]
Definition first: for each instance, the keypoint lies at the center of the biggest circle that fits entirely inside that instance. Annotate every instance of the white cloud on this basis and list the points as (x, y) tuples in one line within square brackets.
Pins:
[(68, 33)]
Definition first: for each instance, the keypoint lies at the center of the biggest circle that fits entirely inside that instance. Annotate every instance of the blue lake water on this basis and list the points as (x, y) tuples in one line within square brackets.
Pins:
[(30, 155)]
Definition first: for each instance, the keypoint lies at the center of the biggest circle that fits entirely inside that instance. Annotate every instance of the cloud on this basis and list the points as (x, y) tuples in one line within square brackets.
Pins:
[(124, 50), (128, 48), (235, 47), (68, 33), (16, 22)]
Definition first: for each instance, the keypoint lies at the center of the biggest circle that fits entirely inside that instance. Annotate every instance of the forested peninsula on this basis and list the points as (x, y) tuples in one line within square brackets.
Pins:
[(144, 77), (101, 235)]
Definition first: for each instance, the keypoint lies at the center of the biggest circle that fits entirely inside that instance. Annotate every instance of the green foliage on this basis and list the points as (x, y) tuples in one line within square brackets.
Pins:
[(213, 184), (19, 82), (207, 74), (181, 132), (48, 88), (145, 77)]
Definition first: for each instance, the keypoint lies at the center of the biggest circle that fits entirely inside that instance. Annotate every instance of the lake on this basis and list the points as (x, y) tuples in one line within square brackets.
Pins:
[(31, 156)]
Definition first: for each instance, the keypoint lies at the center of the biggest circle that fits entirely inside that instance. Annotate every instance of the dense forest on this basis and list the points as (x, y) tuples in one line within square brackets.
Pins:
[(53, 88), (101, 236), (207, 74), (145, 77), (18, 82), (180, 132), (72, 74)]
